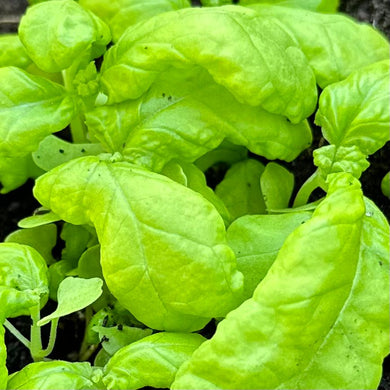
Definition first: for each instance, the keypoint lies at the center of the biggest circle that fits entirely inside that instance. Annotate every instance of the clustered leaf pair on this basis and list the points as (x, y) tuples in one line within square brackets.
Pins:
[(152, 253)]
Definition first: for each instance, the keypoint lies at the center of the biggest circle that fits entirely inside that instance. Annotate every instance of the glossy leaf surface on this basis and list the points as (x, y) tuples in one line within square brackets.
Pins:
[(149, 272), (152, 361), (31, 108), (333, 44), (261, 66), (12, 52)]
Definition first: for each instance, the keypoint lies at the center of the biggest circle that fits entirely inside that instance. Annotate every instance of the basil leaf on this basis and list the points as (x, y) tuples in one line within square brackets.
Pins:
[(56, 374), (144, 247), (327, 6), (23, 279), (74, 294), (385, 185), (3, 357), (31, 108), (12, 52), (121, 14), (152, 361), (320, 36), (256, 241), (260, 67), (42, 238), (240, 189), (323, 303), (56, 33)]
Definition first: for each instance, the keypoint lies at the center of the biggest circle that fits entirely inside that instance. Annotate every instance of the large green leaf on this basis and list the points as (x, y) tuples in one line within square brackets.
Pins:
[(251, 56), (56, 374), (152, 361), (56, 33), (320, 318), (332, 43), (23, 280), (183, 116), (356, 112), (31, 108), (121, 14), (155, 236)]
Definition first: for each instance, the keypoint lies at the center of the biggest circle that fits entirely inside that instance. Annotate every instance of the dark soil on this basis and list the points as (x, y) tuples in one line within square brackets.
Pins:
[(20, 203)]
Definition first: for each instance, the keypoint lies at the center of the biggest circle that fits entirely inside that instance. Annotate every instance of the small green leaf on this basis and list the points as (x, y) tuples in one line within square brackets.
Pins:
[(56, 33), (56, 374), (355, 112), (240, 189), (152, 361), (23, 280), (332, 159), (277, 185), (39, 219), (74, 294), (256, 240), (12, 52), (54, 151), (42, 238), (31, 108), (116, 337)]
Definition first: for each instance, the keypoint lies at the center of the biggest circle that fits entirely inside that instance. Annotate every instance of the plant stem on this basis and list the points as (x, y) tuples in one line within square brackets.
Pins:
[(52, 337), (36, 339), (17, 334), (307, 188)]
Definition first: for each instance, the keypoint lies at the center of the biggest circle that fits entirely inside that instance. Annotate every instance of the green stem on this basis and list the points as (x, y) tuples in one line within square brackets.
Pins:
[(52, 337), (307, 188), (17, 334), (36, 339), (77, 127)]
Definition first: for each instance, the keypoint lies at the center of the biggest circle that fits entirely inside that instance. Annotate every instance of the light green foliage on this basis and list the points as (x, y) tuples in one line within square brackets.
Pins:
[(152, 361), (31, 108), (42, 218), (256, 240), (54, 151), (149, 253), (311, 5), (12, 52), (240, 189), (74, 294), (42, 238), (116, 337), (260, 67), (332, 159), (192, 177), (320, 36), (277, 185), (56, 374), (56, 33), (3, 357), (23, 279), (385, 185), (121, 14), (14, 171), (215, 3), (296, 324), (57, 273), (155, 129), (356, 111)]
